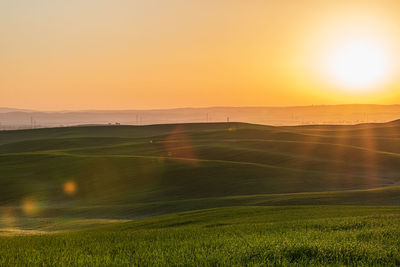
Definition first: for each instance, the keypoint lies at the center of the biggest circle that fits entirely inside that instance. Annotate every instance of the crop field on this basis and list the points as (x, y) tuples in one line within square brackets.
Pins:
[(200, 194), (257, 236)]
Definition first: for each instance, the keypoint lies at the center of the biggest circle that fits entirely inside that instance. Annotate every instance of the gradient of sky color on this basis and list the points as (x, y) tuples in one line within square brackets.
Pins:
[(126, 54)]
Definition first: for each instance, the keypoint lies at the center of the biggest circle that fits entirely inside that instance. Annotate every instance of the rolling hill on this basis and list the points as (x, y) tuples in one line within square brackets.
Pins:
[(217, 194), (134, 171)]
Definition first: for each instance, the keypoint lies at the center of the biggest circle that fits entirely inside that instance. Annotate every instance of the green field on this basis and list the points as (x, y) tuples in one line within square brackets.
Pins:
[(261, 236), (250, 194)]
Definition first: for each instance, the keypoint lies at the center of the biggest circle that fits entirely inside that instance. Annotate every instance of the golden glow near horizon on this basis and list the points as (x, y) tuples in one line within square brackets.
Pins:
[(102, 54)]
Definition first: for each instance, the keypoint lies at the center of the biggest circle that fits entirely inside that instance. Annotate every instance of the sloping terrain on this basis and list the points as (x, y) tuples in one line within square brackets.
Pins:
[(230, 236), (129, 171)]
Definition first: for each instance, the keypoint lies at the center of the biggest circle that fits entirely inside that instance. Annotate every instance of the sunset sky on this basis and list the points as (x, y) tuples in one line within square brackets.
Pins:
[(126, 54)]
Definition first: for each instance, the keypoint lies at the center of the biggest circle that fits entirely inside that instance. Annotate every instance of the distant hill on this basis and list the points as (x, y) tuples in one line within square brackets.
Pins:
[(6, 110), (302, 115)]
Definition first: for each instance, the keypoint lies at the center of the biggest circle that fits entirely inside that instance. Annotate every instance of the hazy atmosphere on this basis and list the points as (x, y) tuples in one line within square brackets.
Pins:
[(58, 55), (199, 133)]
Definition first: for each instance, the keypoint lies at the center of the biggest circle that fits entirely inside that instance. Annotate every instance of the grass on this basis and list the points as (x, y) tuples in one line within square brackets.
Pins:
[(121, 165), (257, 236), (200, 194), (135, 171)]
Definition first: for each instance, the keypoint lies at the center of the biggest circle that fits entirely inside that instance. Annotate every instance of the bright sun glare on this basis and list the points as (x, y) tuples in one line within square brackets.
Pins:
[(358, 65)]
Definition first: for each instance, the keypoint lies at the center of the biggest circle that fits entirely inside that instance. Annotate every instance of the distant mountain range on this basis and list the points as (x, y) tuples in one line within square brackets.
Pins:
[(11, 118), (5, 110)]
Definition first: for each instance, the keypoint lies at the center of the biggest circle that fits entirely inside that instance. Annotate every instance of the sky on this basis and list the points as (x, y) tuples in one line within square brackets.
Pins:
[(128, 54)]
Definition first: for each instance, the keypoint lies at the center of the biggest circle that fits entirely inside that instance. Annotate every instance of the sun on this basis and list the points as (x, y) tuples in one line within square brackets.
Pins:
[(358, 65)]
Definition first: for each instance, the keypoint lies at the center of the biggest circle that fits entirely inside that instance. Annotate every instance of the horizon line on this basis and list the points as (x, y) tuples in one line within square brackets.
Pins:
[(18, 109)]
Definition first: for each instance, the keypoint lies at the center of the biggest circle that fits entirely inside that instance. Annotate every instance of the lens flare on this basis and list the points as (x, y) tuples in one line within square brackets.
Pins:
[(70, 187), (9, 217), (30, 206), (179, 147)]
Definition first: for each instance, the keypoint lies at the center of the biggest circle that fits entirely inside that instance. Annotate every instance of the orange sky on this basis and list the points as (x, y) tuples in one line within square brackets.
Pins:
[(126, 54)]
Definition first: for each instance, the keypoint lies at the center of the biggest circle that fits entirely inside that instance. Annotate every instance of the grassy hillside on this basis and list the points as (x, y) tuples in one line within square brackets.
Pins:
[(389, 196), (257, 236), (74, 196), (120, 131), (146, 169)]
